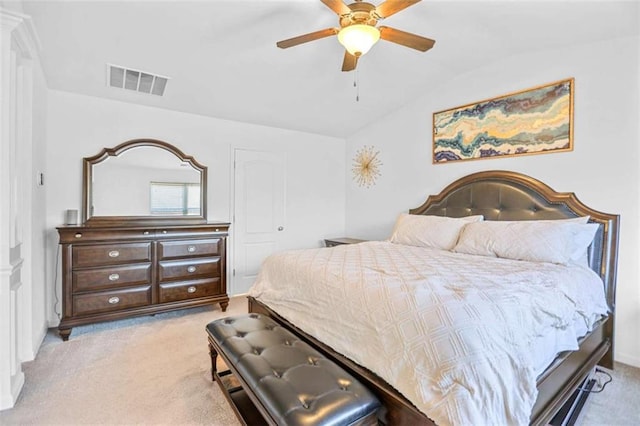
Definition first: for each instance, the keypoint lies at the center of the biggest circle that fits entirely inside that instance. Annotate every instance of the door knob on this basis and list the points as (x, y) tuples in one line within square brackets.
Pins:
[(280, 228)]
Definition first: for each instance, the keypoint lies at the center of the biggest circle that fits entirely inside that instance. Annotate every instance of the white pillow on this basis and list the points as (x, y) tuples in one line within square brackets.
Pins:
[(429, 231), (555, 241), (582, 258)]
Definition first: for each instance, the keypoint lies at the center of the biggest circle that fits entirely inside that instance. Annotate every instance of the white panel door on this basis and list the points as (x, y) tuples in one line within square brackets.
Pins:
[(259, 214)]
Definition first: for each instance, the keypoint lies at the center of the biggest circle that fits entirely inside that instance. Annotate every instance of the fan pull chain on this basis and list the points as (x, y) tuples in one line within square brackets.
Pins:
[(356, 85)]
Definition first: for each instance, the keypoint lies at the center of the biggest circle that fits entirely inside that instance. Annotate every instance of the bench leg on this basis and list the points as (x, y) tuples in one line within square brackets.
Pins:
[(214, 357)]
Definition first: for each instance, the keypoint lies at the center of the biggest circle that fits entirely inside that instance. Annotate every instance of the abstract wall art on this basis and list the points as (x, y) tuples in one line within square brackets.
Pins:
[(532, 121)]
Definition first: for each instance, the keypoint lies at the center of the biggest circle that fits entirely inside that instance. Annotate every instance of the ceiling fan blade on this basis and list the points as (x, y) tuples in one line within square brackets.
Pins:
[(283, 44), (337, 6), (406, 39), (350, 61), (391, 7)]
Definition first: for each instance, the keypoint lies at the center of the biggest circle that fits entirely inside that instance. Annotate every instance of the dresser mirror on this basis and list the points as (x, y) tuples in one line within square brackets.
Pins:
[(143, 181)]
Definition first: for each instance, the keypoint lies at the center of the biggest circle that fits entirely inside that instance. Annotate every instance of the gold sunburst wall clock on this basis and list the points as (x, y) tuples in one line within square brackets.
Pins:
[(366, 166)]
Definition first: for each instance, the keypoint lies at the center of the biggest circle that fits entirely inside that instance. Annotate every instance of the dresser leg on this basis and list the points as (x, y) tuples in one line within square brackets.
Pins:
[(223, 306), (64, 333)]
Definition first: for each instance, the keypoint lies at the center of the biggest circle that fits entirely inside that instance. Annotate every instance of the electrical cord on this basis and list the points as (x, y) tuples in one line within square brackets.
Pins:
[(600, 386)]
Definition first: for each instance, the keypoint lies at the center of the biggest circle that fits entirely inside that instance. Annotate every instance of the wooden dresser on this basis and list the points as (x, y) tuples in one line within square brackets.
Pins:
[(114, 272)]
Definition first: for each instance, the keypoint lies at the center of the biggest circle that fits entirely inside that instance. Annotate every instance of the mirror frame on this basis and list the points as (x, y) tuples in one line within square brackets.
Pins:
[(87, 189)]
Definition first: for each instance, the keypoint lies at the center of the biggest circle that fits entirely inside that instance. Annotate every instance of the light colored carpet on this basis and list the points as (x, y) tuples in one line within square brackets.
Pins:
[(619, 403), (156, 371), (146, 370)]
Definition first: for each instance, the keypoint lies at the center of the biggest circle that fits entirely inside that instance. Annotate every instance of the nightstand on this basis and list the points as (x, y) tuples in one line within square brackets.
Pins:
[(331, 242)]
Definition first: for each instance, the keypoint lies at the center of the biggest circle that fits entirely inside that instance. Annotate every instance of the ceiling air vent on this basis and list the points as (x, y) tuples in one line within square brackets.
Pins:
[(140, 81)]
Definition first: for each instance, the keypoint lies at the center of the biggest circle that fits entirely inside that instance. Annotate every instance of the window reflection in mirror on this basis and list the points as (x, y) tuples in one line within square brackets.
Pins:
[(174, 199), (145, 181)]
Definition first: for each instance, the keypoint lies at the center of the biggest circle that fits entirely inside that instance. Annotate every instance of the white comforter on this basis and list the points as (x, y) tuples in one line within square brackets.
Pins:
[(456, 334)]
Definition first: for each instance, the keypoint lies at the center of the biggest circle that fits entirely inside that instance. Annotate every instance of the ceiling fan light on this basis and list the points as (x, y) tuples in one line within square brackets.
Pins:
[(358, 38)]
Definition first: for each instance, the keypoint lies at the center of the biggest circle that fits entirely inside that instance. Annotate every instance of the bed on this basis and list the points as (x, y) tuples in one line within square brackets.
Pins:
[(496, 196)]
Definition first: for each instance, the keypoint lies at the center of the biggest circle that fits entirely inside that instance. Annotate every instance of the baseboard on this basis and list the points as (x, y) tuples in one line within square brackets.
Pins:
[(37, 342), (239, 295), (53, 323), (8, 401), (631, 360)]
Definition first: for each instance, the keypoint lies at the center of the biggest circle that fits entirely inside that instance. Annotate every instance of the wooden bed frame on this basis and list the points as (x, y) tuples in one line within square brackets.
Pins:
[(504, 195)]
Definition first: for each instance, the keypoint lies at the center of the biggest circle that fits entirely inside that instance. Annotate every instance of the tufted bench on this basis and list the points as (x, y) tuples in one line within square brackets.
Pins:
[(276, 378)]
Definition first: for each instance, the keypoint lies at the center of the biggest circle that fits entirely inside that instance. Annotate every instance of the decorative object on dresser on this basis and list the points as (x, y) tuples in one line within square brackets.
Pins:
[(71, 218), (126, 261), (332, 242)]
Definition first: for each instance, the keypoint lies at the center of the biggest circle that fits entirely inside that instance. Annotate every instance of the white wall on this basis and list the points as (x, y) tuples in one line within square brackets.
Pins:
[(602, 169), (80, 126)]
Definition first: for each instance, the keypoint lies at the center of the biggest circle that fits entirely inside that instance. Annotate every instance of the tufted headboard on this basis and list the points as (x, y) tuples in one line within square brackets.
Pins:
[(504, 195)]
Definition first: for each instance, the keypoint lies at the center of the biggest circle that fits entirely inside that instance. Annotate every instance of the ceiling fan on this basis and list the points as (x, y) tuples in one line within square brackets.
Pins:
[(358, 31)]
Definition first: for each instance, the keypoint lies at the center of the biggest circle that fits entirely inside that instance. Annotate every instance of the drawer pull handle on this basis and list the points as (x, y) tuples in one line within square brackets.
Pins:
[(191, 249), (145, 233), (114, 300), (191, 289), (114, 277), (191, 269), (78, 235), (114, 253)]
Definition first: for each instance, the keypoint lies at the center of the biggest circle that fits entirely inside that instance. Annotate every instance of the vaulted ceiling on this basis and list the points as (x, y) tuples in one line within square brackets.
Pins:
[(222, 59)]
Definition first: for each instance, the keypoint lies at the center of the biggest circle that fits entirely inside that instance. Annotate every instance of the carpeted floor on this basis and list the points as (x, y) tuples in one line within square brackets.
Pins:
[(619, 403), (147, 370), (156, 371)]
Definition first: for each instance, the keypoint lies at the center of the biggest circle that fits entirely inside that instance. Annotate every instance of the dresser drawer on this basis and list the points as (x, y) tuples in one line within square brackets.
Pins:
[(111, 277), (73, 235), (189, 269), (107, 301), (110, 254), (182, 290), (189, 248)]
